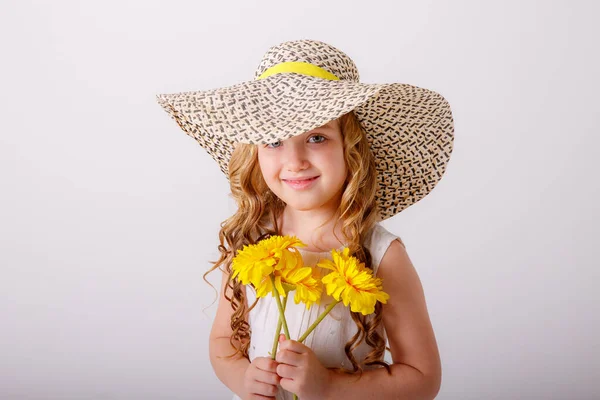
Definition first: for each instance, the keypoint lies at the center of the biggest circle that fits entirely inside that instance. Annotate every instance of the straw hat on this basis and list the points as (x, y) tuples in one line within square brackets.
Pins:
[(301, 85)]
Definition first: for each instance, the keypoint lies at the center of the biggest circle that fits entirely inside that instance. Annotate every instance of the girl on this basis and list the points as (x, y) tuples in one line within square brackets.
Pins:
[(310, 151)]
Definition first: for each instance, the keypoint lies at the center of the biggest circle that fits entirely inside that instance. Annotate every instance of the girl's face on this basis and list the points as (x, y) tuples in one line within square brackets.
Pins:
[(307, 171)]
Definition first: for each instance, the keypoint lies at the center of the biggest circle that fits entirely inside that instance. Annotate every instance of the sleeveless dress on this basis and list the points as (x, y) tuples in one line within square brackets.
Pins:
[(335, 330)]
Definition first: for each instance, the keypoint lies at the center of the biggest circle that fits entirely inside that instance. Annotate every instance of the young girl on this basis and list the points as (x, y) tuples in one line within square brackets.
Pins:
[(310, 151)]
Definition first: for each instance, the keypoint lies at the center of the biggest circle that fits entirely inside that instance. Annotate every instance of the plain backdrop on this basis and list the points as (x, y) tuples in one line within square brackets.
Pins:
[(109, 213)]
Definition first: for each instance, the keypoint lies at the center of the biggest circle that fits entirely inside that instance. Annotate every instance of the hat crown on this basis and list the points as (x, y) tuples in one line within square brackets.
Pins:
[(314, 52)]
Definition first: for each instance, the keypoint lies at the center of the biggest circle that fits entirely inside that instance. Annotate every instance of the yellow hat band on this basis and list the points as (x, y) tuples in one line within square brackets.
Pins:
[(299, 67)]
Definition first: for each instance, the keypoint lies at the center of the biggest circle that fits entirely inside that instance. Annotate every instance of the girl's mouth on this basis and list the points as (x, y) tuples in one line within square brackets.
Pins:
[(300, 184)]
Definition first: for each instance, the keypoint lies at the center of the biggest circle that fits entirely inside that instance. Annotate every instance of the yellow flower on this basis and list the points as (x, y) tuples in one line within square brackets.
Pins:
[(352, 282), (307, 283), (280, 246), (344, 254), (294, 276), (254, 263)]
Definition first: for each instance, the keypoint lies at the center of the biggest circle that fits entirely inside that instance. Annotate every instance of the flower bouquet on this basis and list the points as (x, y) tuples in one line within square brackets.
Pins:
[(275, 266)]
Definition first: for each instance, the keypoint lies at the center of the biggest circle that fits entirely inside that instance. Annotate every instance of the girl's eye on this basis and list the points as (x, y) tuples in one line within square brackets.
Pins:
[(318, 139), (274, 145)]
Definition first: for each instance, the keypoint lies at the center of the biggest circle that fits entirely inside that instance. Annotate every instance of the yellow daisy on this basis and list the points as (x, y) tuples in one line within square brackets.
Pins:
[(351, 282), (254, 263), (304, 280), (308, 285)]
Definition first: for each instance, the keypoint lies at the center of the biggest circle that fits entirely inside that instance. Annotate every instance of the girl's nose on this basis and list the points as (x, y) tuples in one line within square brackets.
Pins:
[(295, 157)]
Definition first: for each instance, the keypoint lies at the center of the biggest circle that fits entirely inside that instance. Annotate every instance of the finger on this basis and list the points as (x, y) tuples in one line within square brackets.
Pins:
[(286, 372), (294, 346), (289, 385), (265, 364), (270, 378), (289, 357), (263, 389)]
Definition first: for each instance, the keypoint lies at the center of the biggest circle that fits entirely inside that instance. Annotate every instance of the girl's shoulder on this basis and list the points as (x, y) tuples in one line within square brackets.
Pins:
[(378, 242)]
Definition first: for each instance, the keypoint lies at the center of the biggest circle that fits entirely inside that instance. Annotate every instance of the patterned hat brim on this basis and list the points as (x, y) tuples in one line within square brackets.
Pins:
[(410, 129)]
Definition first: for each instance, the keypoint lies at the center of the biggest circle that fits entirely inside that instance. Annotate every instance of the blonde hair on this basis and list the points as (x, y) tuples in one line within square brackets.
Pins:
[(257, 215)]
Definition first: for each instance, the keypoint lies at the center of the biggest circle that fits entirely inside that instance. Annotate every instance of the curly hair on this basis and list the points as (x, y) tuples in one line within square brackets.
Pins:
[(256, 218)]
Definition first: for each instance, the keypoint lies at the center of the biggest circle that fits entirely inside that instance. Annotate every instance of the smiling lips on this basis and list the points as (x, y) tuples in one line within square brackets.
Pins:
[(300, 184)]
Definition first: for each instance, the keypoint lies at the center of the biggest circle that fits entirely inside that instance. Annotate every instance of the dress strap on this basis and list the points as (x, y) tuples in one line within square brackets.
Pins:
[(378, 244)]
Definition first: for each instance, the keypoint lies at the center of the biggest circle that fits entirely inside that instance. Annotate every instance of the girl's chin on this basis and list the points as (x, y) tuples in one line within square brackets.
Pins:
[(299, 205)]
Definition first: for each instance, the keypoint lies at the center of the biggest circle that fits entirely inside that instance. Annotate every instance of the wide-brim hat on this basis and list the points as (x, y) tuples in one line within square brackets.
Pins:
[(301, 85)]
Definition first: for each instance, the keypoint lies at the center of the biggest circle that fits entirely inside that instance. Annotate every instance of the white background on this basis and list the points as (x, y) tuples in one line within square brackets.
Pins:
[(109, 213)]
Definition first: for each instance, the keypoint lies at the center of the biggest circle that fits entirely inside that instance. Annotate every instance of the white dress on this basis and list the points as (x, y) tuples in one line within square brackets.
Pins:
[(335, 330)]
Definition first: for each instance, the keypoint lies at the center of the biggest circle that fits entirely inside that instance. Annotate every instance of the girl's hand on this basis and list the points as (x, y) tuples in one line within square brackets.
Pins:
[(261, 379), (301, 371)]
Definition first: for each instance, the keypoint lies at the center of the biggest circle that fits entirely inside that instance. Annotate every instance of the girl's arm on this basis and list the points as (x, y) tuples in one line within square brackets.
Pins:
[(230, 370), (416, 368)]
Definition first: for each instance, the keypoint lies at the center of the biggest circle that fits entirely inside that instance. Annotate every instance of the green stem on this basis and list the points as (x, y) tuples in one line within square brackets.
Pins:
[(281, 311), (319, 319), (281, 318), (277, 331)]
